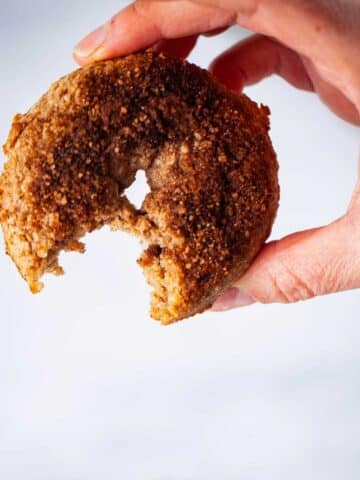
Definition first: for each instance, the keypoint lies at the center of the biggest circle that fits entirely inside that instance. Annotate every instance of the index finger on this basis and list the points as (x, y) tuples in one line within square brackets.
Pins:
[(144, 23)]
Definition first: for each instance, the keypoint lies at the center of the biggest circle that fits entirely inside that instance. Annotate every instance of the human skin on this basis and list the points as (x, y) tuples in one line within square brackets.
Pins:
[(314, 45)]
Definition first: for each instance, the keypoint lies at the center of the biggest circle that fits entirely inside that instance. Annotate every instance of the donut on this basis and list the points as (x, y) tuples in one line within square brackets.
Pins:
[(208, 161)]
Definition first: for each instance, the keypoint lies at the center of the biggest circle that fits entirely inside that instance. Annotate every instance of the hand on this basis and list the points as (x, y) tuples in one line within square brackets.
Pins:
[(314, 45)]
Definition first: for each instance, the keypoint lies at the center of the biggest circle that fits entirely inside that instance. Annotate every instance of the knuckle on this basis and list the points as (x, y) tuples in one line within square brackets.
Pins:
[(289, 286), (148, 11)]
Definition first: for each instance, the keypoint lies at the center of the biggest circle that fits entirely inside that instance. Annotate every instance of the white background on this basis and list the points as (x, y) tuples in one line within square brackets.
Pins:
[(91, 387)]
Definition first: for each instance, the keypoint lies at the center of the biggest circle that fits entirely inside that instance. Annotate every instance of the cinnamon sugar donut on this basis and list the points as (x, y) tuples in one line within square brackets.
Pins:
[(208, 160)]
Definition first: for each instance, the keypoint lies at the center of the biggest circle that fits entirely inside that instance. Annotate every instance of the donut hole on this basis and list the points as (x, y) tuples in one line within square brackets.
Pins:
[(138, 189)]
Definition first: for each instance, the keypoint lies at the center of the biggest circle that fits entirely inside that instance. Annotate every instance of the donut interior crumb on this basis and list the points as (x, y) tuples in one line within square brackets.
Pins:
[(161, 264)]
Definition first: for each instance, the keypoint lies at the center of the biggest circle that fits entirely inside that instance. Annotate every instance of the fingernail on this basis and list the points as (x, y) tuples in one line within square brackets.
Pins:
[(88, 46), (232, 298)]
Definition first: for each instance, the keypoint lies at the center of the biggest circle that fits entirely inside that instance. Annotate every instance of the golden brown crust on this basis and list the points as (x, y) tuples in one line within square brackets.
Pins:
[(208, 160)]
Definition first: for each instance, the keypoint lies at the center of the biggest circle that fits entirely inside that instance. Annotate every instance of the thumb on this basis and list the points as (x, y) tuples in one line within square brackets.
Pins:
[(301, 266)]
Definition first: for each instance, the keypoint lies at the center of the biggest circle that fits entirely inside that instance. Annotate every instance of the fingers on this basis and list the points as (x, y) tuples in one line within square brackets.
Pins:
[(179, 47), (258, 57), (182, 47), (333, 97), (217, 31), (310, 28), (301, 266), (146, 22)]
